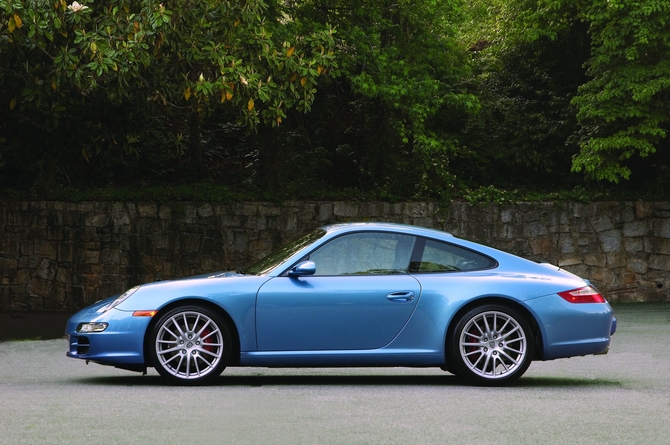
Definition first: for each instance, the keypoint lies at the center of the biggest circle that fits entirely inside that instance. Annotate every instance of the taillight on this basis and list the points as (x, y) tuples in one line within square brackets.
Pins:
[(582, 295)]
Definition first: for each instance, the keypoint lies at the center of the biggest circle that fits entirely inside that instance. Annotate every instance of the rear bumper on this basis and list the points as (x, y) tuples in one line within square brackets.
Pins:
[(573, 329)]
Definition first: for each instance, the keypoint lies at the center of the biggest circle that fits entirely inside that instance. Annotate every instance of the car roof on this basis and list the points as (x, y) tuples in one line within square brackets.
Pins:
[(506, 261), (385, 226)]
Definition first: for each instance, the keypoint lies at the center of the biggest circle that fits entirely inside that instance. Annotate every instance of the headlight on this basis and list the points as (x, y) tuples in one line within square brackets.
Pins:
[(120, 299), (91, 327)]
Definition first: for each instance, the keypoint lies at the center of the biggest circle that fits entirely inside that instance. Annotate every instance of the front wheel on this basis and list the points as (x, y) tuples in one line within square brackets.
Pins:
[(190, 345), (491, 345)]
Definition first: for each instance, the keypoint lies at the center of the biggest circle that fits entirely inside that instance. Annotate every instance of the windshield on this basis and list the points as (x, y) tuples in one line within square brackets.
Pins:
[(279, 256)]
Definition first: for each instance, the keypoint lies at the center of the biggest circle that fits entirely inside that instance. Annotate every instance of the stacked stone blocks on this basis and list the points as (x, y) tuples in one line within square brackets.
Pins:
[(64, 256)]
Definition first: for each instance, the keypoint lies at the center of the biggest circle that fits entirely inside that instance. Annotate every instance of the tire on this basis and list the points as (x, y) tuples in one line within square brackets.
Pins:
[(190, 345), (491, 345)]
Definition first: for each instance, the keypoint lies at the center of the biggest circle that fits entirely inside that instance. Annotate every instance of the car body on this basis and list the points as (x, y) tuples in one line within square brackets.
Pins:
[(355, 294)]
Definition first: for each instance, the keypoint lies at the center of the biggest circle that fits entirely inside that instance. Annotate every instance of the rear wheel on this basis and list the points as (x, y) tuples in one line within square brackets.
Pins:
[(491, 345), (190, 345)]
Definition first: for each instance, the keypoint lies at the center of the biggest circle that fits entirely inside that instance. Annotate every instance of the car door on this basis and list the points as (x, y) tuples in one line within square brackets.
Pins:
[(360, 297)]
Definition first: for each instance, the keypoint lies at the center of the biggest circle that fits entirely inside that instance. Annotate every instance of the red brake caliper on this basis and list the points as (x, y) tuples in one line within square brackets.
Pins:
[(473, 332), (206, 340)]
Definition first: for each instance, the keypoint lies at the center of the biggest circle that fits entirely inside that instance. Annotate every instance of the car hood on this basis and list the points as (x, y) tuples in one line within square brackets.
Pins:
[(214, 287)]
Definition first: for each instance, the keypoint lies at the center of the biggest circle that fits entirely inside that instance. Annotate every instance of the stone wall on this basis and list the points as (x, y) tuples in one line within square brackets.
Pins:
[(63, 256)]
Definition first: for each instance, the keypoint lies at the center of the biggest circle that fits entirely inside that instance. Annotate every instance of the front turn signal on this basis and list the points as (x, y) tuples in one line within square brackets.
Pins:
[(144, 313)]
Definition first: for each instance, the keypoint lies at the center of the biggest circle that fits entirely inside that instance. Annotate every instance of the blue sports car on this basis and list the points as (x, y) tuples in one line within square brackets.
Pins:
[(360, 294)]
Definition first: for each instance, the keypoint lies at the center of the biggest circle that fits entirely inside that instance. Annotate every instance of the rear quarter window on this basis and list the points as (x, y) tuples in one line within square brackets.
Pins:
[(437, 256)]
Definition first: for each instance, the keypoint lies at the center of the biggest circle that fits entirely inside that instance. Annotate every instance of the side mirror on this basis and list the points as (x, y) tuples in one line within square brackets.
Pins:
[(303, 269)]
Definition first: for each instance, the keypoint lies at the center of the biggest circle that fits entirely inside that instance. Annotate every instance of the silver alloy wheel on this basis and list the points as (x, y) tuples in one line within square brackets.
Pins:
[(493, 345), (189, 345)]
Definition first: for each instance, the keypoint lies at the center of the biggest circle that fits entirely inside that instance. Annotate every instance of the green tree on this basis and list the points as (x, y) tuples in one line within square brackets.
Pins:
[(91, 78), (523, 135), (400, 74), (624, 108)]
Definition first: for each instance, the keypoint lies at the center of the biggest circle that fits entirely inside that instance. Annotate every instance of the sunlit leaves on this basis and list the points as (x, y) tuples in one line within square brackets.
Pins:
[(177, 57), (14, 23)]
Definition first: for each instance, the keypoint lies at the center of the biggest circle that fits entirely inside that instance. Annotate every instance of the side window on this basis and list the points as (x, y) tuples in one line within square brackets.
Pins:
[(364, 253), (436, 256)]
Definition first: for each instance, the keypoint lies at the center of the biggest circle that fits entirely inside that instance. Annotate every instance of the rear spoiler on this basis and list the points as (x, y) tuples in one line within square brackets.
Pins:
[(560, 269)]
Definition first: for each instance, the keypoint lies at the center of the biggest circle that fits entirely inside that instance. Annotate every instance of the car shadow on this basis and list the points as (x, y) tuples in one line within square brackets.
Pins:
[(349, 380), (338, 380), (567, 382)]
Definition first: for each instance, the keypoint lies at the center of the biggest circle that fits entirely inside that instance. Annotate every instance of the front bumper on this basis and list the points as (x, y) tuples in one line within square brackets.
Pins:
[(121, 343)]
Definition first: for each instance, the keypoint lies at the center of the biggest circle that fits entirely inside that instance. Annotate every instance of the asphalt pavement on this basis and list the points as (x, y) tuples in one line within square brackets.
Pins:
[(619, 398)]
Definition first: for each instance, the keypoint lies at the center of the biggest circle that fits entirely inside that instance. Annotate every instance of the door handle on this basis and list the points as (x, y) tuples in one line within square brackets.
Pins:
[(404, 296)]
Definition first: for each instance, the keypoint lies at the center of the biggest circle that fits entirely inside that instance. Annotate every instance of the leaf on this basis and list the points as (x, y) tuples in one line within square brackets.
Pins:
[(12, 104), (11, 25), (18, 21), (250, 105), (290, 51), (187, 93), (303, 81)]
